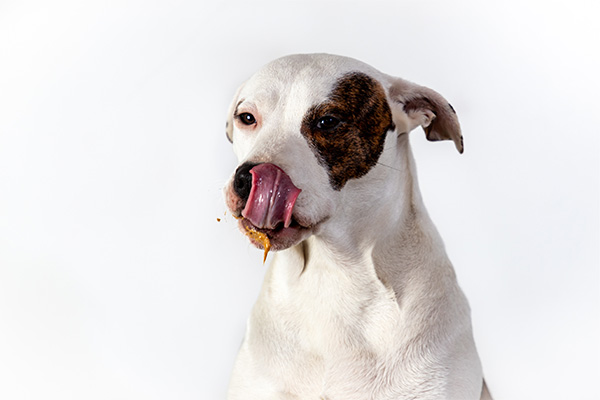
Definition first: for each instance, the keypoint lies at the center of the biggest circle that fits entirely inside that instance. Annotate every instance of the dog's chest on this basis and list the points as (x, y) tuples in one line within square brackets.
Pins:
[(338, 312), (326, 325)]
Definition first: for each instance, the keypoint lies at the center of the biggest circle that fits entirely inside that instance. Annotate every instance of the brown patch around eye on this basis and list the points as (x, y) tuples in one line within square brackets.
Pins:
[(353, 147)]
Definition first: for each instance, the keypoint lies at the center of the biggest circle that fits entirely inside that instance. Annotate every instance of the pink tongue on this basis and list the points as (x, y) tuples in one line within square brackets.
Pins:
[(271, 198)]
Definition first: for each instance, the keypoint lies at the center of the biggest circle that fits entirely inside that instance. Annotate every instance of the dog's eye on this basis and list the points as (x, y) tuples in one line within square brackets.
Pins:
[(247, 118), (327, 123)]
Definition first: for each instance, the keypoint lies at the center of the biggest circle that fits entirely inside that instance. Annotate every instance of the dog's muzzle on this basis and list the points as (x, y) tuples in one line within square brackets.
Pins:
[(268, 193)]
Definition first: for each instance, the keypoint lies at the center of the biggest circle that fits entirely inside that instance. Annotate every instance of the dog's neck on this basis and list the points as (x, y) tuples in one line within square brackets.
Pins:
[(389, 224), (379, 209)]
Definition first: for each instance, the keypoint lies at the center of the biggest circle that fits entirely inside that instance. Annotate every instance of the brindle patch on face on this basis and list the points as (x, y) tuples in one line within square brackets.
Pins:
[(350, 149)]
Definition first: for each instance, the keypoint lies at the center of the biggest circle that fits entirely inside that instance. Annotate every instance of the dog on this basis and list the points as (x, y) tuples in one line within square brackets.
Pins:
[(360, 300)]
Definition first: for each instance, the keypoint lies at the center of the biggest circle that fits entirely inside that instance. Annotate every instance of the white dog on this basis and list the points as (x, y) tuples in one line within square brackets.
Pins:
[(360, 301)]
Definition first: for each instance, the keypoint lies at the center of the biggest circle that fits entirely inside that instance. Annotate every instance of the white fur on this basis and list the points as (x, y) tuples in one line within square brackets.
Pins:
[(368, 306)]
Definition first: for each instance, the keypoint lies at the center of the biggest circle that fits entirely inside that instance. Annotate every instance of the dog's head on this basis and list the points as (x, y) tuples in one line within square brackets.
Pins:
[(309, 130)]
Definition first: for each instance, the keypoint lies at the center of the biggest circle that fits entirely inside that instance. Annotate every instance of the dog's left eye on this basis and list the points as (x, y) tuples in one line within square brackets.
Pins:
[(328, 122)]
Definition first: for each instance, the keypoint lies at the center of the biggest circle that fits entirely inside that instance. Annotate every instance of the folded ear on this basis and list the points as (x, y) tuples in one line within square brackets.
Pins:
[(230, 112), (413, 105)]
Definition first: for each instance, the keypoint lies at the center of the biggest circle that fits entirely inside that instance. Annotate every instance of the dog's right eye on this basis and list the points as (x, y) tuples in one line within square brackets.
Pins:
[(247, 118)]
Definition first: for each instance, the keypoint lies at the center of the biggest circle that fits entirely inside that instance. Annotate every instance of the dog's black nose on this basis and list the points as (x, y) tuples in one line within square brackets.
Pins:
[(242, 183)]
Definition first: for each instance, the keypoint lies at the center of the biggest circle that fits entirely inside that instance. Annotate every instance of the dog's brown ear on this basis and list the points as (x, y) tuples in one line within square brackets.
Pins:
[(413, 105), (230, 112)]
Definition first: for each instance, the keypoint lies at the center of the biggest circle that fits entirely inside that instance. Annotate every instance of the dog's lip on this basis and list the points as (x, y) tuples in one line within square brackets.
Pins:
[(294, 225), (281, 237)]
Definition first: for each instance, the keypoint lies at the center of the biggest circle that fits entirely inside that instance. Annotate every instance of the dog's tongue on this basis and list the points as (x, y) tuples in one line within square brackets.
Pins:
[(271, 198)]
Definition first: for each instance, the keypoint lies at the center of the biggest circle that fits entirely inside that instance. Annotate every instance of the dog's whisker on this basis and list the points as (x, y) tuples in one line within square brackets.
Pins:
[(390, 167)]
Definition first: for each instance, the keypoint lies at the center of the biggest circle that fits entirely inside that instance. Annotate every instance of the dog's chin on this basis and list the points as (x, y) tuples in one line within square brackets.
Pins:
[(280, 238)]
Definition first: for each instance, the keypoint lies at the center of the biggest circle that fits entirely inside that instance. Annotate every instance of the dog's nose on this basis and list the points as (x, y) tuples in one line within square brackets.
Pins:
[(242, 183)]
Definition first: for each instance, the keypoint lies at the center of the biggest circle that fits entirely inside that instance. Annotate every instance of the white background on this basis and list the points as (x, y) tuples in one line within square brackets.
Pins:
[(117, 281)]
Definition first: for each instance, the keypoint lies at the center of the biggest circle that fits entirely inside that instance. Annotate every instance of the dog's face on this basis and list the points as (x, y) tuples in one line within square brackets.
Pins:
[(308, 131)]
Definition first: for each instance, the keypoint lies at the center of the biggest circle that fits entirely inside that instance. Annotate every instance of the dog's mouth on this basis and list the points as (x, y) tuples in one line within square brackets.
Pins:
[(268, 215), (278, 238)]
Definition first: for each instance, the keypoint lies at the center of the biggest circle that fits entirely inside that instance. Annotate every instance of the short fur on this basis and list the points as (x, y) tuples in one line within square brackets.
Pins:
[(361, 301)]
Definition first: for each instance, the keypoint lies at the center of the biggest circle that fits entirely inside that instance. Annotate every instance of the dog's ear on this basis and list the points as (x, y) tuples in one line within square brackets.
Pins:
[(413, 105), (230, 112)]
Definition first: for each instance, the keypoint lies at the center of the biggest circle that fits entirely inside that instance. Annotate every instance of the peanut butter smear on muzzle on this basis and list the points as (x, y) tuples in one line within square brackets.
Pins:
[(262, 238)]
